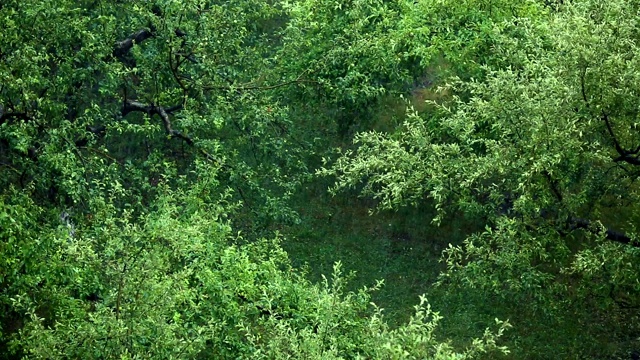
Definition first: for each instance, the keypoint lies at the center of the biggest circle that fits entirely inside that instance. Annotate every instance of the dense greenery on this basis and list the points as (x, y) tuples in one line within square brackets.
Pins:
[(158, 158)]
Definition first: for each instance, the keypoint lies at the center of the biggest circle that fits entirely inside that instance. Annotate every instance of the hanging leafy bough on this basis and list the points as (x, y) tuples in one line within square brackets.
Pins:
[(544, 150), (110, 82), (170, 286)]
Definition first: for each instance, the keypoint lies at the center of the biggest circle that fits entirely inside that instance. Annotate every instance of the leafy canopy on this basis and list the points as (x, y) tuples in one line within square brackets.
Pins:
[(543, 149), (136, 137)]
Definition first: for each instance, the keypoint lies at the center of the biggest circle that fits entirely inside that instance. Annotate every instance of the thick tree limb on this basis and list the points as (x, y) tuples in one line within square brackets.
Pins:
[(121, 48), (629, 156), (131, 106), (613, 235)]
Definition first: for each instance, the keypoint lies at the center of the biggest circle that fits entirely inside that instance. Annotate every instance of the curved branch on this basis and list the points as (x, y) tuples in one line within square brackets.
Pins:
[(583, 89), (553, 184), (163, 113), (610, 234), (121, 48), (132, 106), (629, 156), (619, 148)]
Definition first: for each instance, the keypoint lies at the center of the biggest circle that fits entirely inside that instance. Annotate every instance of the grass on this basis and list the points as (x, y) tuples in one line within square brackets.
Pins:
[(403, 248), (369, 245)]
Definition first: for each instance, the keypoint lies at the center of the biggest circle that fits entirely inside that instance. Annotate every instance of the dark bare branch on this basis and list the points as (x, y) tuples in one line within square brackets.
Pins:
[(553, 184), (613, 235), (167, 126), (135, 106), (628, 156), (4, 117), (131, 106), (122, 47), (583, 87), (174, 72), (619, 149)]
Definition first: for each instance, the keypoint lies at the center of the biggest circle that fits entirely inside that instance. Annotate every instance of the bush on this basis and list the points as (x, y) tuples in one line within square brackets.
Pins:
[(171, 284)]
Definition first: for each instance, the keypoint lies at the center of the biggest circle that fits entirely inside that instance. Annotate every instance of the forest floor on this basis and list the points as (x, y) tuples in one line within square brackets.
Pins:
[(404, 249)]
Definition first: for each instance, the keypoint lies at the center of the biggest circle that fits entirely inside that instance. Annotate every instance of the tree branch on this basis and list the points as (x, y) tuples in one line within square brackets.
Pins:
[(628, 156), (6, 116), (583, 87), (131, 106), (613, 235), (174, 72), (553, 184), (121, 48), (135, 106), (619, 149)]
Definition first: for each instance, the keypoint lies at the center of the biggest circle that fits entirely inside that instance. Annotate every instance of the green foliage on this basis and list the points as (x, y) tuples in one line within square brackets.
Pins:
[(352, 53), (82, 104), (544, 150), (133, 133), (170, 286), (137, 137)]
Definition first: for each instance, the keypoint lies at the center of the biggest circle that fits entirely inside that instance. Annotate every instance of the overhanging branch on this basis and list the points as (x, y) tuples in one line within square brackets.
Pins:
[(131, 106), (135, 106), (613, 235), (629, 156), (121, 48)]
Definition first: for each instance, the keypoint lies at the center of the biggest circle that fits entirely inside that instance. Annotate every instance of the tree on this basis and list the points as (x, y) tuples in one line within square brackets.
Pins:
[(171, 286), (130, 135), (544, 151), (357, 51), (138, 88)]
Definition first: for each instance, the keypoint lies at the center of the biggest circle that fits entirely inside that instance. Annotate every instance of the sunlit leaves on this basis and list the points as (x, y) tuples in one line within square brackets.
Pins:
[(528, 147)]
